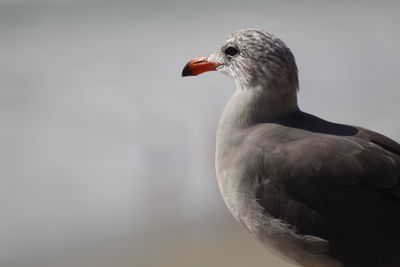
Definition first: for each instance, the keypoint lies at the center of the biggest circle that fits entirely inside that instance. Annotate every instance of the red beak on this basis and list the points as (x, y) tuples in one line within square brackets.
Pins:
[(198, 66)]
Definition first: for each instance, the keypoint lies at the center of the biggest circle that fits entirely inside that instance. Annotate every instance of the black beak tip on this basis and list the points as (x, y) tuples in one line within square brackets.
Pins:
[(187, 71)]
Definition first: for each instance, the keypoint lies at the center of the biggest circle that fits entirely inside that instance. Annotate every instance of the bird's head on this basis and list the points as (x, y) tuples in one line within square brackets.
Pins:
[(253, 58)]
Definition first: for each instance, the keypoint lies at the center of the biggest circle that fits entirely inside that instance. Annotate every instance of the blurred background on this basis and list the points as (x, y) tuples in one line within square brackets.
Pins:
[(107, 154)]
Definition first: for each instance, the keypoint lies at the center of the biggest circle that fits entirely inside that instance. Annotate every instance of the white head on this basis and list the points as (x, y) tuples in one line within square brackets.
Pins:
[(253, 59)]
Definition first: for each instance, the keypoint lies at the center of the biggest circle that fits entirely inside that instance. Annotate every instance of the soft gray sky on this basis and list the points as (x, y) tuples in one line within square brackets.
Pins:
[(103, 140)]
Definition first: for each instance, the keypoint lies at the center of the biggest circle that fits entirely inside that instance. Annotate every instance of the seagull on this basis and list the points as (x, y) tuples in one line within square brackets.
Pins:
[(313, 192)]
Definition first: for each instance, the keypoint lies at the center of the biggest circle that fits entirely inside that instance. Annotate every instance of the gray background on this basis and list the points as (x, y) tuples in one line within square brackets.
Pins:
[(107, 153)]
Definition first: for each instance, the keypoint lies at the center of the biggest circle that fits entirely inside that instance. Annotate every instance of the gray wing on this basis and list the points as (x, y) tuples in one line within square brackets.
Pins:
[(343, 188)]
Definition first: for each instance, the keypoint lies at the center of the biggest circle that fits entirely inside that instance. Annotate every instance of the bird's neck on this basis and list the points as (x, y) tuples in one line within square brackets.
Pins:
[(246, 109), (251, 106)]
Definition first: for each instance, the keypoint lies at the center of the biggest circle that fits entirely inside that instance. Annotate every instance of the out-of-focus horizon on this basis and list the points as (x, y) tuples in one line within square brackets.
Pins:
[(107, 153)]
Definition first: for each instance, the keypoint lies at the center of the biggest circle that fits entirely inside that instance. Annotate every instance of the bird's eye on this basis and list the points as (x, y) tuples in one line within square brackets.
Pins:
[(231, 51)]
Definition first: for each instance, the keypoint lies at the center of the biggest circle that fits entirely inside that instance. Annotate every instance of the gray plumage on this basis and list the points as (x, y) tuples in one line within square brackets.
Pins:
[(314, 192)]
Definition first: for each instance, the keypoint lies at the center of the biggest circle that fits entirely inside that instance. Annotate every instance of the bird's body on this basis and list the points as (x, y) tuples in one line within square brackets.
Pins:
[(314, 192), (300, 185)]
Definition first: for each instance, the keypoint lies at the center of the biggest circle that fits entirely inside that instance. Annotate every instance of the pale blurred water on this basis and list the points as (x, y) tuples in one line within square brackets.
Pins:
[(107, 154)]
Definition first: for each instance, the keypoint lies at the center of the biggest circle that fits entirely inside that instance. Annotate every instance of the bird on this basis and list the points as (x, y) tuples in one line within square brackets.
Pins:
[(313, 192)]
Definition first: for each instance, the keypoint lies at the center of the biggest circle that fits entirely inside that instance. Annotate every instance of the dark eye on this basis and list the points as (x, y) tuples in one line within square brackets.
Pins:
[(231, 51)]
